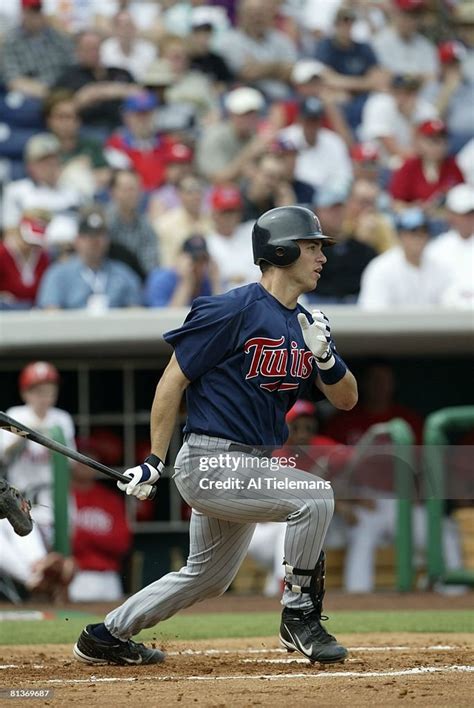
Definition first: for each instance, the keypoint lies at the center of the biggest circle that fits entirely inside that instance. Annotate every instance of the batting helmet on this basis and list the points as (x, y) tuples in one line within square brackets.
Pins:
[(275, 234), (38, 372)]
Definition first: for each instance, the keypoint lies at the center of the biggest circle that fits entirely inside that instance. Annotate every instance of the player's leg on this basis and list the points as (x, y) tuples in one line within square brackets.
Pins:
[(217, 549), (256, 489)]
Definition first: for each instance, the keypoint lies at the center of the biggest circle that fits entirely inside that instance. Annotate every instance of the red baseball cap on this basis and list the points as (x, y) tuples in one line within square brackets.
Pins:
[(451, 51), (33, 229), (226, 198), (31, 4), (179, 152), (365, 152), (410, 5), (301, 408), (37, 372), (432, 127)]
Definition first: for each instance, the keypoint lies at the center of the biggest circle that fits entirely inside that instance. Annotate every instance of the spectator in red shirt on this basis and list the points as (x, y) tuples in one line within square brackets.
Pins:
[(101, 535), (377, 405), (23, 261), (425, 178), (137, 144)]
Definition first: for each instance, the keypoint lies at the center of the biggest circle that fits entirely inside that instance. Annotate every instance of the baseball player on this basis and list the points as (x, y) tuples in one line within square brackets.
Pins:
[(243, 358)]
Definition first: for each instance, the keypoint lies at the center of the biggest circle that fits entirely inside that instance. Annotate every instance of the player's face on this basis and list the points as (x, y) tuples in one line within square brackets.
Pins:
[(306, 271), (41, 397)]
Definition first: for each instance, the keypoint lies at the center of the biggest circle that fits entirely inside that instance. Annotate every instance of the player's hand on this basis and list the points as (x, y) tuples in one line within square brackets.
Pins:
[(142, 477), (317, 336)]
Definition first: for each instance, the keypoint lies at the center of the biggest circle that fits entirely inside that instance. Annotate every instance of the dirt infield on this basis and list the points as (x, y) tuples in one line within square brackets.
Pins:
[(425, 669)]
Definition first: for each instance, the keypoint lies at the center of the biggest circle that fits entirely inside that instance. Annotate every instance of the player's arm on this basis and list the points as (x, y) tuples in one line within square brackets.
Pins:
[(164, 413), (334, 378), (343, 394)]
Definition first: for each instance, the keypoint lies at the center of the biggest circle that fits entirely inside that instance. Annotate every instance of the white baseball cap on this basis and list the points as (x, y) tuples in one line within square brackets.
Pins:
[(460, 199), (305, 70), (243, 100)]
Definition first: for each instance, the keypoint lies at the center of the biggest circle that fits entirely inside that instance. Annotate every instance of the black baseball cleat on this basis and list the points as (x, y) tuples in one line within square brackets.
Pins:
[(93, 650), (302, 631)]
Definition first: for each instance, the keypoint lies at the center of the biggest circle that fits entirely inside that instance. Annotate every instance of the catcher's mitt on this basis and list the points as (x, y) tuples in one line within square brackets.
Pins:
[(15, 508)]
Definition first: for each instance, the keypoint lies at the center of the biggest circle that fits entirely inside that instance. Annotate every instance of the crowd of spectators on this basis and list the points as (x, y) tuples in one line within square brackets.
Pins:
[(139, 141)]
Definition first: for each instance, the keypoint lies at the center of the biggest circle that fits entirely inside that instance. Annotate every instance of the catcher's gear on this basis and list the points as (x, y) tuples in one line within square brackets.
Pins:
[(276, 232), (15, 508)]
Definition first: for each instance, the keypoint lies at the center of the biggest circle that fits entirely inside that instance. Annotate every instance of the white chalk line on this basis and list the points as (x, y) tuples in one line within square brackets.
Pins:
[(270, 677), (217, 652)]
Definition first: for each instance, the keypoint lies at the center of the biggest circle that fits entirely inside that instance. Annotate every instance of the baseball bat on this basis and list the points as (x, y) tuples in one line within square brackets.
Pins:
[(14, 426)]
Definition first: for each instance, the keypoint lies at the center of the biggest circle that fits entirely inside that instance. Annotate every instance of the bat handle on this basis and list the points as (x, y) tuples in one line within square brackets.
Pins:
[(150, 490)]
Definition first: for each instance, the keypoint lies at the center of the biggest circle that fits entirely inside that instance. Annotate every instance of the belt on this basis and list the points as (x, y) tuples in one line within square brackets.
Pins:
[(227, 445), (249, 450)]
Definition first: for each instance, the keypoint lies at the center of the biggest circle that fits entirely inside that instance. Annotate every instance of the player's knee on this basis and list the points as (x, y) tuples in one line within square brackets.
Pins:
[(217, 587)]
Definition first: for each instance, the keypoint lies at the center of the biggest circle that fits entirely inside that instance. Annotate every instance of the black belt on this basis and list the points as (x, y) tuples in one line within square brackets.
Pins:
[(250, 450)]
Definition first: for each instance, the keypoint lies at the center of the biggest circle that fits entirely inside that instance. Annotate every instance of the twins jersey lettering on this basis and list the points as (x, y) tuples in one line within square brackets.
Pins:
[(247, 361)]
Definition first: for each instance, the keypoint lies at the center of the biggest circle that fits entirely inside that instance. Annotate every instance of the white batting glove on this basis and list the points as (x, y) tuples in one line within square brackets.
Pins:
[(142, 477), (317, 336)]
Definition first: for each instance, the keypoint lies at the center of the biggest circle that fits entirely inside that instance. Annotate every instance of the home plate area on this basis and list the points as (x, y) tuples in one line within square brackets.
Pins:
[(381, 668)]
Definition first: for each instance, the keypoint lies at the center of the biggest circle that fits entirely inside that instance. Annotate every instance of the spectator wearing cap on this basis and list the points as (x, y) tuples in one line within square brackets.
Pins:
[(28, 465), (405, 275), (308, 80), (230, 243), (453, 93), (401, 48), (287, 153), (137, 144), (227, 148), (179, 164), (323, 157), (42, 188), (425, 178), (185, 220), (34, 54), (340, 280), (256, 52), (202, 57), (125, 50), (454, 249), (84, 166), (23, 260), (190, 85), (390, 119), (351, 67), (179, 17), (193, 275), (98, 90), (365, 158), (133, 239), (90, 279), (363, 218)]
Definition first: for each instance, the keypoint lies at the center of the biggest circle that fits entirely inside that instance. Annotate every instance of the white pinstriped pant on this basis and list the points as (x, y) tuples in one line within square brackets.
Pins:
[(221, 528)]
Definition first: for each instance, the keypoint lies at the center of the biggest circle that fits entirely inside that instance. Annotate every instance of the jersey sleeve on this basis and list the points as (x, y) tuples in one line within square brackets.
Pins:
[(208, 335)]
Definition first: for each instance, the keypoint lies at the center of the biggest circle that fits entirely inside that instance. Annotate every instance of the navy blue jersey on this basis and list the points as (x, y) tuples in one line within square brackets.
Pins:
[(247, 361)]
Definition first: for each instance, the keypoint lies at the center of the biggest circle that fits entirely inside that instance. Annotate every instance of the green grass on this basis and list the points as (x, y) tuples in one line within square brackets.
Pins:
[(65, 627)]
